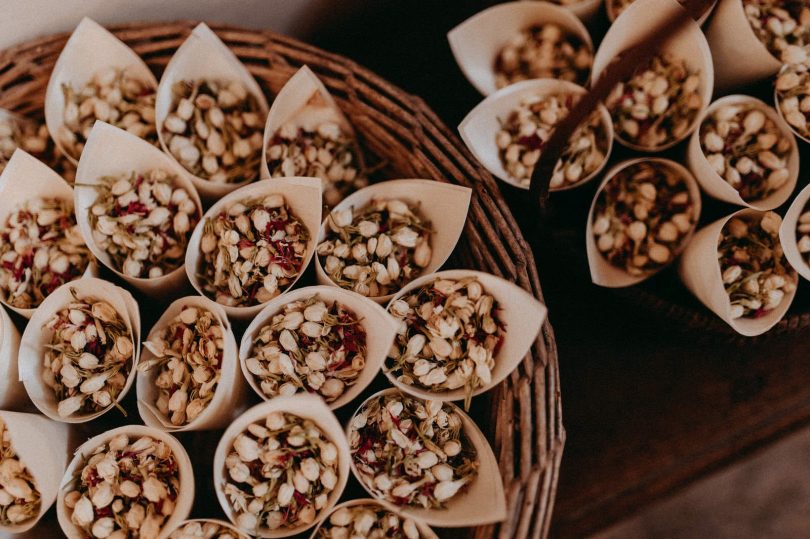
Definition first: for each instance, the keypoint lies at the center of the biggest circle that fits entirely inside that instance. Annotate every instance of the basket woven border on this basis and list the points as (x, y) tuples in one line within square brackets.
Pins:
[(525, 420)]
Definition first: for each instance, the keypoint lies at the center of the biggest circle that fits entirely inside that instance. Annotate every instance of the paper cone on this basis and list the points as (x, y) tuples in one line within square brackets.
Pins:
[(306, 406), (12, 391), (480, 127), (586, 10), (788, 236), (603, 273), (380, 329), (778, 106), (699, 270), (89, 50), (42, 447), (477, 41), (301, 194), (688, 44), (612, 15), (715, 185), (521, 314), (23, 179), (230, 389), (223, 525), (482, 503), (36, 337), (424, 530), (203, 56), (111, 151), (443, 204), (739, 56), (184, 500)]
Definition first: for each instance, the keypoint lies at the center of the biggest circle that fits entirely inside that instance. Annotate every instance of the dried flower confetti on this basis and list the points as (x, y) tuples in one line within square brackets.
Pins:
[(369, 521), (793, 96), (205, 529), (780, 25), (20, 499), (22, 133)]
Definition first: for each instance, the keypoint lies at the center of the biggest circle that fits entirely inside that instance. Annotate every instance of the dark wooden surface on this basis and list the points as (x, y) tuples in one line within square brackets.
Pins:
[(649, 404)]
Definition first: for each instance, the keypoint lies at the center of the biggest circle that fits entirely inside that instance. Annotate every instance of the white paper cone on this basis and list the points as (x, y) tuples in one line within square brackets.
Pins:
[(25, 178), (307, 406), (586, 10), (480, 127), (477, 41), (699, 270), (611, 12), (482, 503), (739, 56), (36, 337), (424, 530), (688, 44), (520, 312), (717, 186), (185, 497), (443, 204), (226, 525), (111, 151), (203, 56), (301, 194), (12, 391), (788, 236), (305, 101), (42, 447), (603, 273), (89, 50), (230, 390), (379, 326)]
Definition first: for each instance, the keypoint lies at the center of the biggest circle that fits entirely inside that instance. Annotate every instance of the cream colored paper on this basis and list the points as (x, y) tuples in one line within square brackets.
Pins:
[(611, 12), (480, 127), (111, 151), (477, 41), (12, 391), (788, 235), (226, 525), (521, 314), (36, 337), (443, 204), (42, 447), (301, 194), (688, 44), (229, 393), (717, 186), (603, 273), (203, 56), (305, 406), (185, 497), (586, 10), (739, 56), (424, 530), (25, 178), (379, 326), (483, 502), (700, 272), (89, 50)]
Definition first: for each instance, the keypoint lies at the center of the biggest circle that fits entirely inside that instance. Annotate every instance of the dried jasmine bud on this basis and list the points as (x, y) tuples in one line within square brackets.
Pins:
[(280, 473), (215, 130), (658, 105), (525, 132), (20, 499), (783, 26), (309, 346), (188, 355), (642, 217), (803, 234), (252, 251), (113, 96), (41, 249), (143, 221), (126, 488), (89, 357), (377, 249), (793, 96), (367, 521), (753, 266), (449, 334), (411, 452), (205, 529), (747, 149), (545, 51), (327, 152)]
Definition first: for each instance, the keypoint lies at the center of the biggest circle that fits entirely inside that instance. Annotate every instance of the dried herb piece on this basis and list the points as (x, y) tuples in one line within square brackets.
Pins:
[(411, 452), (41, 249), (793, 95), (20, 499), (280, 473), (367, 521), (252, 251), (781, 25)]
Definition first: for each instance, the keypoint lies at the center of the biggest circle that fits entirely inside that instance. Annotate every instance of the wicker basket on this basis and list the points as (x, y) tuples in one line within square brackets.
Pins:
[(522, 416)]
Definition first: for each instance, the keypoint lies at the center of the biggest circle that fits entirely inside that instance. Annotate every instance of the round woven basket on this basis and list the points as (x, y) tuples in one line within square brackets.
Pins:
[(400, 134)]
